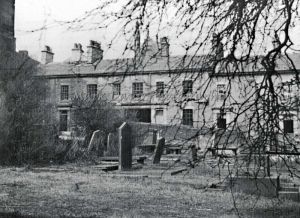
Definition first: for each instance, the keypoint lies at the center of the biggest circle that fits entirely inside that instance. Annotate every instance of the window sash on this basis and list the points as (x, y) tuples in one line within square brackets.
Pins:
[(288, 126), (160, 86), (92, 89), (63, 121), (187, 87), (187, 117), (117, 89), (64, 92), (137, 90)]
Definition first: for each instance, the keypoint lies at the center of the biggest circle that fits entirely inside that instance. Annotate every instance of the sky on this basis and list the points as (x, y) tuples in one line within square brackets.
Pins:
[(34, 14), (31, 15)]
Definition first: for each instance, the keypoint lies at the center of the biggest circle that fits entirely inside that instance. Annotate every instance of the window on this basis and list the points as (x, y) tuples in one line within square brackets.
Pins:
[(221, 91), (63, 120), (221, 121), (187, 87), (64, 92), (159, 116), (137, 90), (288, 126), (140, 115), (117, 89), (92, 90), (187, 117), (160, 86)]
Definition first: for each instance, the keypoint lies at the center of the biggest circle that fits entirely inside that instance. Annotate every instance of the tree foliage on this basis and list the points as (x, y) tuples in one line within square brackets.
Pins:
[(24, 122)]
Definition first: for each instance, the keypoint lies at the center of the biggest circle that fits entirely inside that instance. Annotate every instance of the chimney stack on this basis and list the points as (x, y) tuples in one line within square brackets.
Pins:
[(94, 52), (217, 47), (164, 47), (76, 53), (47, 55)]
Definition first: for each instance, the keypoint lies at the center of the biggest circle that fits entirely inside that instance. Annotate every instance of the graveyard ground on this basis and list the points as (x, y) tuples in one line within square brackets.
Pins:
[(85, 191)]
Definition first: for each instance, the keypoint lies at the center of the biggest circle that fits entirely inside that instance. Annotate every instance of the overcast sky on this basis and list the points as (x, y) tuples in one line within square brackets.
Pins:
[(34, 14)]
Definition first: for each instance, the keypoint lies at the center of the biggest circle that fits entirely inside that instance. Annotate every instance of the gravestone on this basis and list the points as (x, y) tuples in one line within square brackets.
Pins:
[(125, 148), (97, 142), (159, 151), (112, 145)]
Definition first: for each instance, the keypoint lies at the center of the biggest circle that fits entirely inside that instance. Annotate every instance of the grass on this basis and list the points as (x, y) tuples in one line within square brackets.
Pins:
[(86, 192)]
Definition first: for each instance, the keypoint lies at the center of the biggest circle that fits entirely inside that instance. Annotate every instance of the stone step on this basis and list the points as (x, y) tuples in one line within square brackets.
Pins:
[(290, 195)]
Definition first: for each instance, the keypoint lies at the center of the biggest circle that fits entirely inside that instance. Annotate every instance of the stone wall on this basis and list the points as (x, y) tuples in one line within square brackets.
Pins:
[(172, 134)]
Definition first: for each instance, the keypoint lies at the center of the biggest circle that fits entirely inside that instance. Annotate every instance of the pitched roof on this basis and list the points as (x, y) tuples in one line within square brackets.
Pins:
[(155, 63), (253, 64)]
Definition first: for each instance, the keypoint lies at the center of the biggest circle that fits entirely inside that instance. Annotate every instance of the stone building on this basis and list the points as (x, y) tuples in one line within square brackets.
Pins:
[(165, 89), (7, 19), (161, 89)]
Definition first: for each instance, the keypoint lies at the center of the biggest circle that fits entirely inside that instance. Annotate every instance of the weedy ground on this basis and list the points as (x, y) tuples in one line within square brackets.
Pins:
[(73, 191)]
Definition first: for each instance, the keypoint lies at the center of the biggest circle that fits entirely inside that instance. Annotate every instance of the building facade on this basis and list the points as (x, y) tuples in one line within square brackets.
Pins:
[(164, 89)]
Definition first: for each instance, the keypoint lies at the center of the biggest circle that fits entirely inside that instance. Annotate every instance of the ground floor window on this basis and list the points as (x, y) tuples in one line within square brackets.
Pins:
[(187, 117), (141, 115), (63, 120), (288, 126), (221, 121)]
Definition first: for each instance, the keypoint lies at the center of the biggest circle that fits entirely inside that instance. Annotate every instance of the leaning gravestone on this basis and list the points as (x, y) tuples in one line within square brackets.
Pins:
[(97, 142), (125, 148), (159, 151)]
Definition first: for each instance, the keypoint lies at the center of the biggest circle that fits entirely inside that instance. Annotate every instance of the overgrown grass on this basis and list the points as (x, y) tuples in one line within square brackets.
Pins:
[(84, 192)]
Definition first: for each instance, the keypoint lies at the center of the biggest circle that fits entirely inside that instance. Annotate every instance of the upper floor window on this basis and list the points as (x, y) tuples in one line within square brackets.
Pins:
[(64, 92), (221, 91), (187, 86), (160, 86), (117, 89), (187, 117), (137, 90), (92, 90)]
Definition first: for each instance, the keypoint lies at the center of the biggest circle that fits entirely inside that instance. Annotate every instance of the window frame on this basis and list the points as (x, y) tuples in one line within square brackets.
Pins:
[(187, 87), (137, 89), (288, 126), (188, 117), (160, 88), (64, 92), (221, 117), (92, 90), (116, 89), (221, 92), (63, 127)]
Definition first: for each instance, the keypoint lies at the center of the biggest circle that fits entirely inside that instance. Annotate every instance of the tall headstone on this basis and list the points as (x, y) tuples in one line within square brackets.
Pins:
[(159, 151), (125, 148)]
